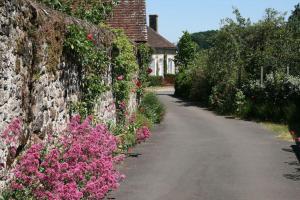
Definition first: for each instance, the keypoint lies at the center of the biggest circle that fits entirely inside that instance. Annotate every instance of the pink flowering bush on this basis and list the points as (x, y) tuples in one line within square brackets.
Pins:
[(135, 130), (11, 138), (79, 166), (11, 134), (143, 134)]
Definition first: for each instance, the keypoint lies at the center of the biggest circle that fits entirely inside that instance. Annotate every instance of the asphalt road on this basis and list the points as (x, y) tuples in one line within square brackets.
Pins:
[(196, 155)]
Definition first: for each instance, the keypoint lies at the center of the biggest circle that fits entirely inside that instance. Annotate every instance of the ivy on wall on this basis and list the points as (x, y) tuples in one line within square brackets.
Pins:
[(144, 54), (124, 72), (81, 47), (94, 11)]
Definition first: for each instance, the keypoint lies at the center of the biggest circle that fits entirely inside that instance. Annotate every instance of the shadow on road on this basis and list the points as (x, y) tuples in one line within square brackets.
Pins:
[(295, 176)]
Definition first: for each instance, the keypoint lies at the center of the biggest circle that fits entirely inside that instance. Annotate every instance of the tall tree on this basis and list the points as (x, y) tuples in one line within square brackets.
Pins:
[(187, 50)]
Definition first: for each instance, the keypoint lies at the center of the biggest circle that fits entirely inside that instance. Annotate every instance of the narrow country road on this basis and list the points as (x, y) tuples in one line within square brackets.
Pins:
[(196, 155)]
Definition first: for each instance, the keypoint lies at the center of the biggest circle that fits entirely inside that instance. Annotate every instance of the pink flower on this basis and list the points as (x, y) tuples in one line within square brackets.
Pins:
[(90, 37), (119, 158), (149, 70), (79, 166), (120, 78), (12, 133), (138, 84), (143, 134), (123, 105)]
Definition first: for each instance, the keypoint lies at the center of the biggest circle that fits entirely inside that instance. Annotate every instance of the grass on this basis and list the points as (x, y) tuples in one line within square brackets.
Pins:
[(159, 88), (281, 130)]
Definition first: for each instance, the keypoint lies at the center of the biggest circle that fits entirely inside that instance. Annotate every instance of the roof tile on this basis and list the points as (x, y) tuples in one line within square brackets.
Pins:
[(155, 40), (130, 15)]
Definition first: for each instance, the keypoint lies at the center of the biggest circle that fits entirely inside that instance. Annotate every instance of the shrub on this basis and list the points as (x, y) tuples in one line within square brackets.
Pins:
[(240, 102), (183, 84), (200, 88), (130, 133), (79, 164), (222, 98), (276, 99), (143, 134), (155, 81), (152, 108), (294, 120)]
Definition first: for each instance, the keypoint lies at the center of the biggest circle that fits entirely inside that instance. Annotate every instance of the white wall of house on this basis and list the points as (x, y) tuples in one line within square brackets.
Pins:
[(157, 64)]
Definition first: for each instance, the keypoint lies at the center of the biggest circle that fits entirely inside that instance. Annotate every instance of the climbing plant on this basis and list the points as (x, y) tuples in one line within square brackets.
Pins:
[(94, 11), (124, 68), (144, 55), (81, 47)]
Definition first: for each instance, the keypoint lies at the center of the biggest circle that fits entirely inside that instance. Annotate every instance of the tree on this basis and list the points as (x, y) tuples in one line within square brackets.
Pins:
[(294, 42), (294, 19), (187, 50), (204, 39)]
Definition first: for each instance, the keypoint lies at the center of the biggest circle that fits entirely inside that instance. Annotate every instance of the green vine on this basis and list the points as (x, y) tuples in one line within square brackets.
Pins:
[(94, 11), (124, 68), (144, 59), (80, 46)]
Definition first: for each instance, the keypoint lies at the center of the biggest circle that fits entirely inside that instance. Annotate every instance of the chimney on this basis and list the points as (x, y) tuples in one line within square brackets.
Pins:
[(153, 22)]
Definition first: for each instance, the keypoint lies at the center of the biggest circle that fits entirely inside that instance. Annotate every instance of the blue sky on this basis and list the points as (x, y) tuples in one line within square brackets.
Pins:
[(176, 16)]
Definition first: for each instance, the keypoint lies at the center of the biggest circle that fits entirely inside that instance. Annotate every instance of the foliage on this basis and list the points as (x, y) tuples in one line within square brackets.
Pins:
[(183, 84), (143, 134), (79, 164), (251, 69), (94, 11), (240, 101), (13, 139), (133, 131), (144, 55), (155, 80), (186, 51), (124, 67), (204, 39), (80, 46), (294, 20), (152, 108), (192, 82)]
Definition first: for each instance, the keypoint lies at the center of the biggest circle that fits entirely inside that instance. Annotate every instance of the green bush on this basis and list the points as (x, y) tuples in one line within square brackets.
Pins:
[(294, 119), (183, 84), (275, 100), (152, 108), (240, 104), (155, 81), (222, 98), (200, 88)]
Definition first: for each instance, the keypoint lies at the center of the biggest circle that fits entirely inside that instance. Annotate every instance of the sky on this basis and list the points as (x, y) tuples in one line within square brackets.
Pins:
[(176, 16)]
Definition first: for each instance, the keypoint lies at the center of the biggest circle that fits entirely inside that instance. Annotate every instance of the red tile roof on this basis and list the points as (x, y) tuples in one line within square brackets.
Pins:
[(155, 40), (130, 15)]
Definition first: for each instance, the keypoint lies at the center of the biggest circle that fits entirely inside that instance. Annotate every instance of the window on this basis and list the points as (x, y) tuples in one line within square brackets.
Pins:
[(170, 66), (153, 66), (161, 67)]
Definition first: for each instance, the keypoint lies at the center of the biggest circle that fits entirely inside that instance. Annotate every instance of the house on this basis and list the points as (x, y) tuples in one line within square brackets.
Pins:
[(130, 15), (164, 51)]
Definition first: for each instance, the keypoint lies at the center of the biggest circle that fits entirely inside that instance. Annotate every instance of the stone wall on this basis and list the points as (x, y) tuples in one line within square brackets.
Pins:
[(38, 81)]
